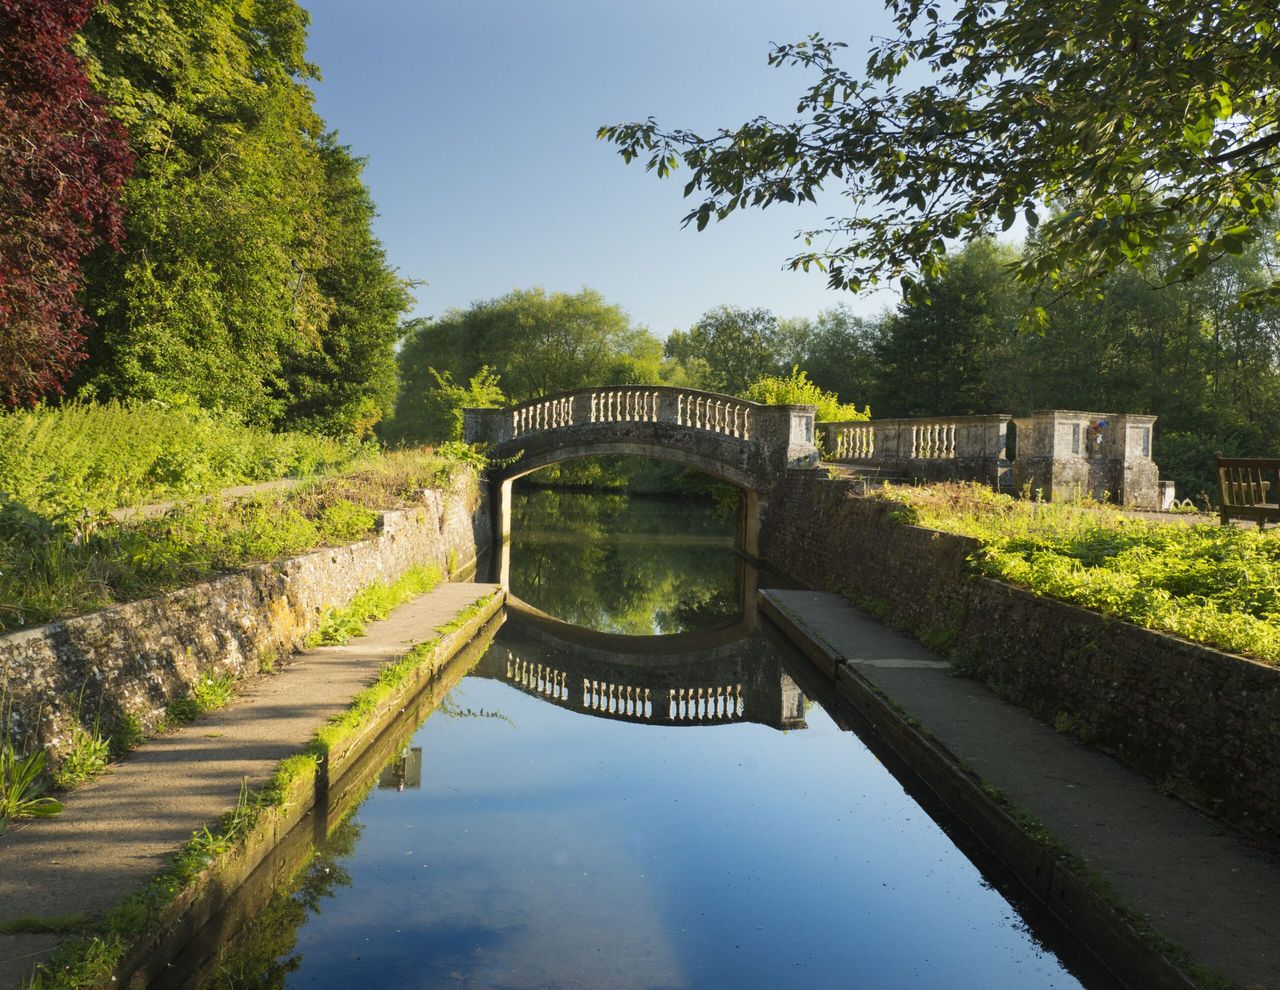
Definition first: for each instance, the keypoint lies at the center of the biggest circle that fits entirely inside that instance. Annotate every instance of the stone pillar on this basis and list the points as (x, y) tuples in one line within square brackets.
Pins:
[(501, 495), (483, 425), (1065, 453)]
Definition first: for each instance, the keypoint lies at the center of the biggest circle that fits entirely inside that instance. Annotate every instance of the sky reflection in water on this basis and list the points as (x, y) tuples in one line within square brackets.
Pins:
[(546, 848)]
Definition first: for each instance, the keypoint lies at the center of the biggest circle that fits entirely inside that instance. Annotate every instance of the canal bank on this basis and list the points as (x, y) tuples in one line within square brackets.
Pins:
[(121, 831), (1136, 874)]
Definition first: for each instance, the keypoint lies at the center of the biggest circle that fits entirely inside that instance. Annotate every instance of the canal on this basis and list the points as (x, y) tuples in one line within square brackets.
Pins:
[(603, 811)]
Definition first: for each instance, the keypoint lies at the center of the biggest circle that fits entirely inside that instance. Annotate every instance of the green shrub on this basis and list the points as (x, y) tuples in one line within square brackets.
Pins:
[(1218, 585), (23, 784), (797, 390), (86, 757)]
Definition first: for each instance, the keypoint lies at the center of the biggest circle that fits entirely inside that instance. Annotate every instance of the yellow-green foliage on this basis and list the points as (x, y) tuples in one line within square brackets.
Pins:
[(390, 678), (1213, 584), (797, 390), (101, 456)]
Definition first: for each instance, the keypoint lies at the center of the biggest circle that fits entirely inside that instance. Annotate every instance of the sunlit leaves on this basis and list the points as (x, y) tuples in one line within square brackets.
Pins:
[(1155, 125)]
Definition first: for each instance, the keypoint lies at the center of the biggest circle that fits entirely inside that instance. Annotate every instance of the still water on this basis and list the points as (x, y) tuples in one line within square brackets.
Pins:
[(636, 566), (571, 818)]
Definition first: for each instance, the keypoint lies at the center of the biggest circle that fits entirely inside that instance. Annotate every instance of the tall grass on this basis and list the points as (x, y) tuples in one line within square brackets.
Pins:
[(1218, 585), (96, 457)]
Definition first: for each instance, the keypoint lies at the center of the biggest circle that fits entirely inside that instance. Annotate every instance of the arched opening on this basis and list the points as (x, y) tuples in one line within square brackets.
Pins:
[(638, 546)]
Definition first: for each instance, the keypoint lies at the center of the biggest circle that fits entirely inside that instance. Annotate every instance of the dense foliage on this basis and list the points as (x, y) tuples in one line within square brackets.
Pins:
[(797, 390), (1214, 584), (62, 162), (526, 344), (1153, 124), (249, 273)]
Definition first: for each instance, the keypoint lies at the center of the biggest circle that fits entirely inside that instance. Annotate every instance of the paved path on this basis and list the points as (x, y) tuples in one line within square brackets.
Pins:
[(238, 491), (120, 830), (1193, 879)]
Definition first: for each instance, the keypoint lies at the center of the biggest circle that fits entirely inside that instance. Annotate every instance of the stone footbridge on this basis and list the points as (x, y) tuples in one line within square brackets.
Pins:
[(746, 444)]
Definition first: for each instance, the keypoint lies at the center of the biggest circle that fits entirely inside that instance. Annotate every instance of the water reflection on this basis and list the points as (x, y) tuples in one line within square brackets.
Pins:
[(742, 682), (640, 566), (549, 849)]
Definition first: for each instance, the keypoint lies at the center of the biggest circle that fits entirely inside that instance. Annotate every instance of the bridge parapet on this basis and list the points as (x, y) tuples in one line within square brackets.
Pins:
[(936, 447), (752, 442), (1058, 453), (687, 408), (738, 688)]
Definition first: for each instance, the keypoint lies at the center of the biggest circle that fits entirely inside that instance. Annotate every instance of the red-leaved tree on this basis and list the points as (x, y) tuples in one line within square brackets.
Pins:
[(62, 163)]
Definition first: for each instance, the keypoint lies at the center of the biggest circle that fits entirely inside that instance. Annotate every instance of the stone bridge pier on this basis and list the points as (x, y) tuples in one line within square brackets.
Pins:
[(749, 445)]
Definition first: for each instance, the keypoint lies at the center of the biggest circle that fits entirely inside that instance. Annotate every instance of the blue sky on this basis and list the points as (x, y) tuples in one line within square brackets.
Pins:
[(479, 118)]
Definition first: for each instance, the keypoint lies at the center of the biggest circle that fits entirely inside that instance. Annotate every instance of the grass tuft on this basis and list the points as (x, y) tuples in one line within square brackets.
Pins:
[(86, 757)]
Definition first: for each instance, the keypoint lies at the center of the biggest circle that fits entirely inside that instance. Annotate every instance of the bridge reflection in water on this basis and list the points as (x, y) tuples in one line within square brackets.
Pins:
[(739, 679)]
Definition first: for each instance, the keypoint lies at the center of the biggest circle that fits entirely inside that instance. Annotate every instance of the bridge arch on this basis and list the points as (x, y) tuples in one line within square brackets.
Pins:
[(747, 444)]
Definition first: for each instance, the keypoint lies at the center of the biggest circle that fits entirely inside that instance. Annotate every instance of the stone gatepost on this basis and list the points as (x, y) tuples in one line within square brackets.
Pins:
[(1064, 453)]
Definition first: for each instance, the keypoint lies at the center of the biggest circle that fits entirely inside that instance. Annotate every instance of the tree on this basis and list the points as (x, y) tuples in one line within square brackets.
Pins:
[(729, 348), (940, 353), (1154, 126), (840, 353), (342, 380), (250, 280), (536, 343), (62, 163)]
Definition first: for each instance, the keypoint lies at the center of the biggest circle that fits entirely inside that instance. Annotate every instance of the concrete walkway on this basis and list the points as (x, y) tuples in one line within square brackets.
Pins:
[(1194, 880), (120, 830)]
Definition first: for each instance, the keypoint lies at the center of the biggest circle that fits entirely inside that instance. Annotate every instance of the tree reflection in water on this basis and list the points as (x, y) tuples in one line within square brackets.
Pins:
[(637, 565)]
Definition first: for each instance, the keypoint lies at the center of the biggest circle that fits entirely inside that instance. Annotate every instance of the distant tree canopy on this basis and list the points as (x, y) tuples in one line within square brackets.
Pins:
[(1209, 370), (536, 343), (249, 281), (1152, 128), (729, 348), (62, 162)]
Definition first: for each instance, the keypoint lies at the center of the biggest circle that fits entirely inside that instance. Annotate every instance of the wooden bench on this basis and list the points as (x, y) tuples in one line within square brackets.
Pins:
[(1244, 485)]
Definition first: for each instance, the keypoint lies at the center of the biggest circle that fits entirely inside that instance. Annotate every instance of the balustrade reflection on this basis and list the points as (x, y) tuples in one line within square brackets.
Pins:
[(742, 682)]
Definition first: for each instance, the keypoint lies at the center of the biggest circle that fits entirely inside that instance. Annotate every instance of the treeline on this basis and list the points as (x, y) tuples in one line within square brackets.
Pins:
[(1185, 352), (244, 277), (531, 343)]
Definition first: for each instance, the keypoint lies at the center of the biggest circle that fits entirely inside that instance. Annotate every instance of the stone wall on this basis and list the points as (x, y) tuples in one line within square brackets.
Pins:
[(131, 661), (1202, 722)]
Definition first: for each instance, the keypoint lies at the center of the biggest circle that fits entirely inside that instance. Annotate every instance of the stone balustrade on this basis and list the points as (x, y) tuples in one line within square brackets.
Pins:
[(938, 448), (1057, 453), (703, 705), (688, 408)]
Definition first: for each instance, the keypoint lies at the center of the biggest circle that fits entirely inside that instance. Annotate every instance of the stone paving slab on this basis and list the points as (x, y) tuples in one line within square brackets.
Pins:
[(1197, 882), (120, 830)]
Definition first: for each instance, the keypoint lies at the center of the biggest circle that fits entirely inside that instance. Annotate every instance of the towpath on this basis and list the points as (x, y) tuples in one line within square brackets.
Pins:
[(121, 829), (1193, 879)]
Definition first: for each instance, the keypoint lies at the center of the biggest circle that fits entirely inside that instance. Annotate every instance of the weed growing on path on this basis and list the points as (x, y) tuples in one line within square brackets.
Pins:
[(23, 785), (86, 757), (208, 693)]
